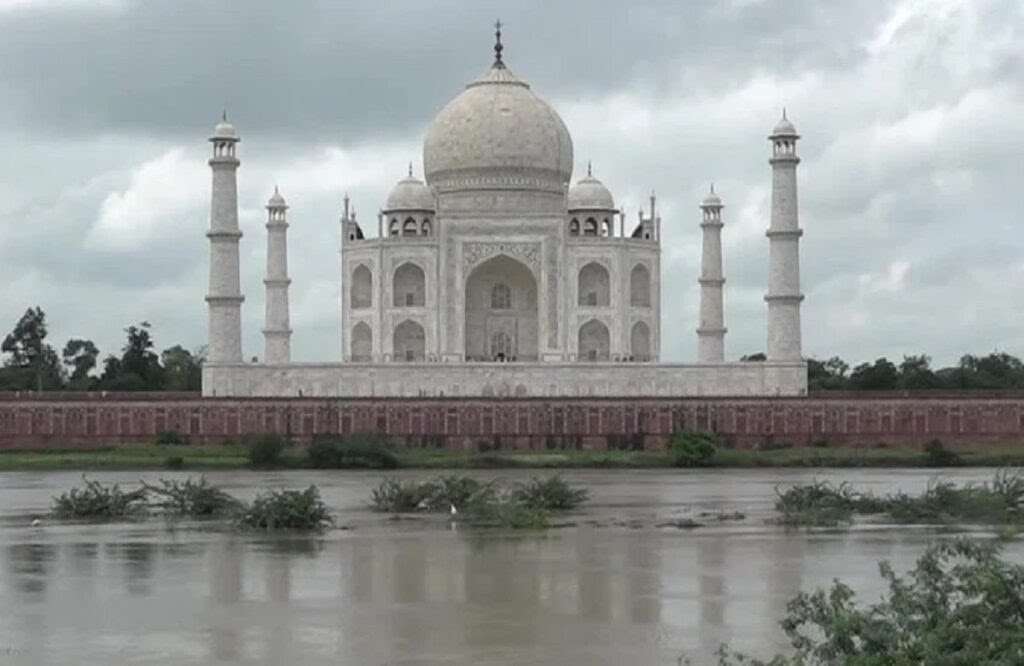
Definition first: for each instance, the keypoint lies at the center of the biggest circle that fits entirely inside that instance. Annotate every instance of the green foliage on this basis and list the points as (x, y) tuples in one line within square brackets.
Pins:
[(551, 494), (174, 462), (287, 510), (195, 499), (96, 501), (1000, 502), (265, 450), (878, 376), (80, 357), (937, 455), (33, 364), (693, 449), (393, 496), (961, 605), (506, 513), (357, 451), (182, 370)]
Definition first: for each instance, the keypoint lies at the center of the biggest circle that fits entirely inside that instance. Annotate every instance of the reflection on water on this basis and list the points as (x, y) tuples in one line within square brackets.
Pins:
[(428, 592)]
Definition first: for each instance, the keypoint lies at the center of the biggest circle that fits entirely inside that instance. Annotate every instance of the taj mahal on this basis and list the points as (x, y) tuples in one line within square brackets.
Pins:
[(497, 275)]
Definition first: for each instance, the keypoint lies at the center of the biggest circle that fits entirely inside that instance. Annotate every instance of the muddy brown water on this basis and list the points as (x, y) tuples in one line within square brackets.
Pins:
[(612, 588)]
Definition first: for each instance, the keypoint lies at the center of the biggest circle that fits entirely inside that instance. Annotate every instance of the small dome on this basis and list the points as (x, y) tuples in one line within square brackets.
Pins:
[(712, 199), (590, 194), (784, 127), (224, 129), (410, 193), (276, 200)]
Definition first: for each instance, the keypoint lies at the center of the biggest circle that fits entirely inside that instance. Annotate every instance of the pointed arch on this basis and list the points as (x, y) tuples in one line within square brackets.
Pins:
[(361, 343), (594, 341), (640, 286), (409, 288), (594, 286), (640, 342), (409, 342), (361, 290)]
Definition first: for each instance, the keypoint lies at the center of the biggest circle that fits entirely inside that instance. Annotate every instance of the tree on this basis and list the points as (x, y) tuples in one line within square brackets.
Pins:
[(827, 375), (183, 370), (916, 373), (80, 356), (38, 362), (756, 356), (138, 368), (879, 376)]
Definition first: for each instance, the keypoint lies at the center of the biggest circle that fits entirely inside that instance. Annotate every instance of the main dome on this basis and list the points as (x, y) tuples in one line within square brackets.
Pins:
[(497, 134)]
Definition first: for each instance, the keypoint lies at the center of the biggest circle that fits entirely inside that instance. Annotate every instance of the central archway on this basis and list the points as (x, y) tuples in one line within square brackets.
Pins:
[(502, 320)]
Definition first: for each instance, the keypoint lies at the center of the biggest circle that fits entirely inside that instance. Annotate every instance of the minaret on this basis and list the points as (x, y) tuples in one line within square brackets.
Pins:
[(276, 331), (711, 333), (225, 295), (784, 233)]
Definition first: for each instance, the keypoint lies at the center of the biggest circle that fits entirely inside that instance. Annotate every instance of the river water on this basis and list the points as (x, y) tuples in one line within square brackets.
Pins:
[(613, 588)]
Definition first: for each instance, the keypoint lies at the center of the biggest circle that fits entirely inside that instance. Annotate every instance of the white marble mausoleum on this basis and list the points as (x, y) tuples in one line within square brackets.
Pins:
[(497, 275)]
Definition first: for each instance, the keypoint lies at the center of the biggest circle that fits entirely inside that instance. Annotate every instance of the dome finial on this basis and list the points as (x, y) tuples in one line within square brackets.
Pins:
[(590, 169), (410, 169), (712, 187), (497, 45), (784, 113)]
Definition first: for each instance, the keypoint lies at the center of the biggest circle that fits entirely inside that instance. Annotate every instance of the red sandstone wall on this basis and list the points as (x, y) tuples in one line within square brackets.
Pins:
[(94, 419)]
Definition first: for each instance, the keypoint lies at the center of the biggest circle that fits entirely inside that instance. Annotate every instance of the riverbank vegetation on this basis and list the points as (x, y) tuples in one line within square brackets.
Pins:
[(998, 502), (238, 456), (963, 603)]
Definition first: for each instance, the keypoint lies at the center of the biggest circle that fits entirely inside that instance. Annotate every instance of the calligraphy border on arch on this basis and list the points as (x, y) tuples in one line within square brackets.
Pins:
[(475, 253)]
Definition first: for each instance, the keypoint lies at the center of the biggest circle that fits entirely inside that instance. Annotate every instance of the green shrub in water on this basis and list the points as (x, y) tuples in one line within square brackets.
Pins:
[(360, 451), (505, 513), (551, 494), (692, 449), (265, 450), (196, 499), (96, 501), (396, 497), (287, 510)]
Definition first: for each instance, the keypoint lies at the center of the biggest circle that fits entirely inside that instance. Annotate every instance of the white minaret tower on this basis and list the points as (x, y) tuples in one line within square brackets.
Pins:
[(784, 233), (225, 295), (711, 333), (277, 332)]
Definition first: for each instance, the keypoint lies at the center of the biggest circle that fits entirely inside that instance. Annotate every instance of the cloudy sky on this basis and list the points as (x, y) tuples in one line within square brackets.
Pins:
[(912, 181)]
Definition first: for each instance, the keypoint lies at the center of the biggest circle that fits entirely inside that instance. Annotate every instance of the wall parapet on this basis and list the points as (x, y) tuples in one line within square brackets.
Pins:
[(472, 423)]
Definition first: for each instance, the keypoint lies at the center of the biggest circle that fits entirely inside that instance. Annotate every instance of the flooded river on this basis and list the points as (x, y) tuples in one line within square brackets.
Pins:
[(611, 589)]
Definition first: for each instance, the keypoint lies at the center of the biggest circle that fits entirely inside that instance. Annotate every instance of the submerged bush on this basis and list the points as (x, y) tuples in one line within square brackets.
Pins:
[(396, 497), (693, 449), (962, 604), (482, 512), (551, 494), (265, 450), (287, 510), (197, 499), (365, 451), (97, 501), (821, 503)]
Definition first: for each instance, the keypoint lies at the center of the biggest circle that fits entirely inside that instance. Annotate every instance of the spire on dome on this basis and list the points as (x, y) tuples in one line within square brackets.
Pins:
[(497, 45), (590, 169), (410, 169)]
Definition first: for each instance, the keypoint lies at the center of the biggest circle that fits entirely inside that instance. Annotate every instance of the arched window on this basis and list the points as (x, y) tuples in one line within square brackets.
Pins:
[(501, 297), (409, 342), (640, 342), (426, 227), (594, 341), (361, 290), (501, 346), (393, 227), (574, 227), (594, 286), (409, 288), (409, 227), (640, 287), (362, 342), (590, 227), (606, 228)]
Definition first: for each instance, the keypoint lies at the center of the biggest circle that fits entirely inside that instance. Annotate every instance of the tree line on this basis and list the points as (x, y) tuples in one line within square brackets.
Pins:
[(30, 363), (997, 370)]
